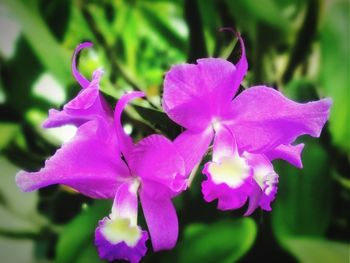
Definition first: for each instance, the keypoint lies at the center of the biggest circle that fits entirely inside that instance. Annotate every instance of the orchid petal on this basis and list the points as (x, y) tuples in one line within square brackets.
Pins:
[(156, 159), (124, 140), (289, 153), (259, 127), (241, 66), (194, 115), (86, 98), (192, 146), (84, 83), (87, 105), (194, 94), (265, 184), (162, 222), (89, 163)]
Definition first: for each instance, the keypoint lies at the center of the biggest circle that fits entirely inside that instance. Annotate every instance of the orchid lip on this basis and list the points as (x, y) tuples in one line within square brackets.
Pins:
[(232, 171), (118, 239), (260, 175), (265, 178), (121, 230)]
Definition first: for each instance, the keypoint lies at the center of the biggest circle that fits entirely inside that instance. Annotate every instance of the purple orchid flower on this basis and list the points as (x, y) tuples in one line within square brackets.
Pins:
[(92, 164), (249, 130)]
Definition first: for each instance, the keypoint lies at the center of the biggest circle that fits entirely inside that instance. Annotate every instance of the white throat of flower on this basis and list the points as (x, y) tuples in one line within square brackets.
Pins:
[(232, 170), (119, 229), (122, 222)]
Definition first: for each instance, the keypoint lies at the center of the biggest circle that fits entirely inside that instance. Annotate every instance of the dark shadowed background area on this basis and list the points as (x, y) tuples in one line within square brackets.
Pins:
[(299, 47)]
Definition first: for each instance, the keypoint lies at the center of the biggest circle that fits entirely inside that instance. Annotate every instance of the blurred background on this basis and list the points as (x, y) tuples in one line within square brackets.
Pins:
[(300, 47)]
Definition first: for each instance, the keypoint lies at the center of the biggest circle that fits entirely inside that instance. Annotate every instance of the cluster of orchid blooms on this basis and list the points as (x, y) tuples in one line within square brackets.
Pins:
[(247, 131)]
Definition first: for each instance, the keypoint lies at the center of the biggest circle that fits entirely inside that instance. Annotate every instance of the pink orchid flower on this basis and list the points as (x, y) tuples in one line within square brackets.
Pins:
[(249, 130), (102, 161)]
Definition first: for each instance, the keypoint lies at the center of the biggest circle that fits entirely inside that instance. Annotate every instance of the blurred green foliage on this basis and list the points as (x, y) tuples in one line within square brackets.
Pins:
[(300, 47)]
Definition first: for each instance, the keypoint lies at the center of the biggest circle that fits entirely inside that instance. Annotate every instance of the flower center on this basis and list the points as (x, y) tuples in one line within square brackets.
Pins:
[(119, 229), (231, 170)]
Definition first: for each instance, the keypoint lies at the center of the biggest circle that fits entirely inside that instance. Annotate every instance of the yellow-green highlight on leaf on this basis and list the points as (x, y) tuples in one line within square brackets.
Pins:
[(311, 250), (7, 131)]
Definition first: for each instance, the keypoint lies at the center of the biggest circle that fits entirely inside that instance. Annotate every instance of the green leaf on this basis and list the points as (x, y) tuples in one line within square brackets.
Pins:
[(159, 120), (310, 250), (17, 209), (19, 155), (14, 250), (19, 74), (78, 235), (249, 16), (304, 39), (89, 255), (334, 71), (303, 204), (271, 15), (28, 148), (41, 40), (223, 241), (51, 12), (343, 181), (7, 131), (209, 12), (162, 26)]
